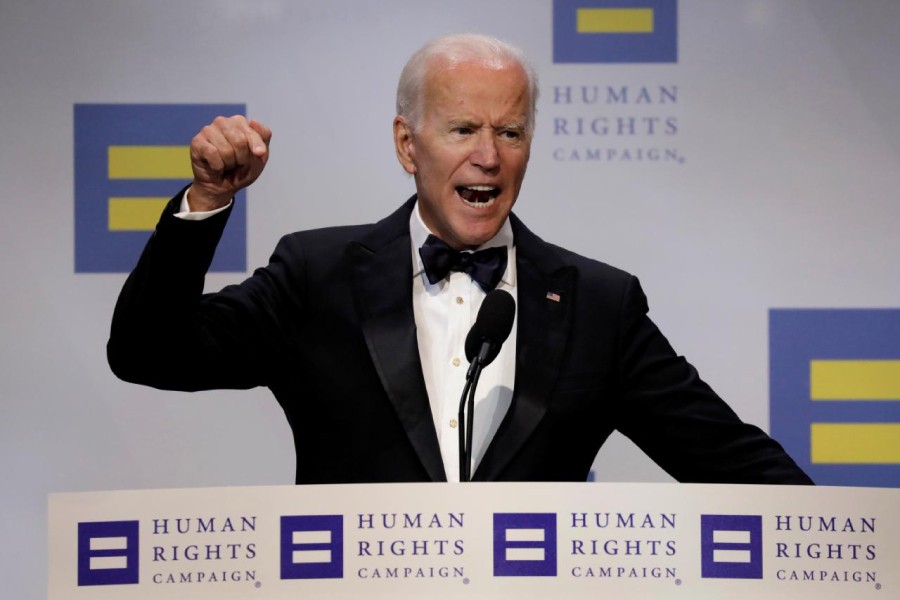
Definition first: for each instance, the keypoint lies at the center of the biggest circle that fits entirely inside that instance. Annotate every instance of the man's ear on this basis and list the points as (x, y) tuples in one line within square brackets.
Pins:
[(403, 144)]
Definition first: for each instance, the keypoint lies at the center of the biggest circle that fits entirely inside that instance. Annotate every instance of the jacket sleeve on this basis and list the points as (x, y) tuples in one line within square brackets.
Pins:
[(677, 419), (167, 334)]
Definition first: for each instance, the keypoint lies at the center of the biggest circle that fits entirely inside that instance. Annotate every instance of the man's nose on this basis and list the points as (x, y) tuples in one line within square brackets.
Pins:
[(485, 154)]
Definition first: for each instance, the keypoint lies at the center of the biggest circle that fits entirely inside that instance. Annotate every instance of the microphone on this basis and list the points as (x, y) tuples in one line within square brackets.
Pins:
[(492, 326)]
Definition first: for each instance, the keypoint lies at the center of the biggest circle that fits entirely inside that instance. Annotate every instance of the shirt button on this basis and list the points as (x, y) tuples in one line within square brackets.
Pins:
[(459, 300), (453, 423), (456, 361)]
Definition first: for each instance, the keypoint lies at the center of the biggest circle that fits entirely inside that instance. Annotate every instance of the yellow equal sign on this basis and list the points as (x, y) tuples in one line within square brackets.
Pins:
[(150, 162), (135, 214), (614, 20), (854, 379), (855, 443), (858, 381), (143, 162)]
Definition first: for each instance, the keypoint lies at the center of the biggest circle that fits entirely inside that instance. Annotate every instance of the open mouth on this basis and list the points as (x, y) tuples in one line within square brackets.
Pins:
[(480, 195)]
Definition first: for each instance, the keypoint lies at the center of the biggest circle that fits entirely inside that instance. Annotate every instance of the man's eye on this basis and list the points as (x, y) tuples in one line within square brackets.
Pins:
[(511, 135), (462, 131)]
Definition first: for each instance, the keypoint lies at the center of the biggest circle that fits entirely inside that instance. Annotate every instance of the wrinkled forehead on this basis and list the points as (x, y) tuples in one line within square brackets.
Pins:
[(493, 79), (438, 67)]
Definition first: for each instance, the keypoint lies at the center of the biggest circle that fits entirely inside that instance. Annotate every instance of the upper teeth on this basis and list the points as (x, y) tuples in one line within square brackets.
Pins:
[(481, 188)]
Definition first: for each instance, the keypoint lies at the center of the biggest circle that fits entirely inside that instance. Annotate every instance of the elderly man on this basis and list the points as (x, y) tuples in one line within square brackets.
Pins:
[(360, 337)]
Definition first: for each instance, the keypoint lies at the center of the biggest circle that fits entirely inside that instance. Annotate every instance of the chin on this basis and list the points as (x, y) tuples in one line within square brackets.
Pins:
[(474, 238)]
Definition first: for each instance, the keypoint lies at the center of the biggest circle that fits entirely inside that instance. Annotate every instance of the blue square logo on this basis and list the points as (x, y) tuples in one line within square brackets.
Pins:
[(130, 159), (312, 547), (615, 31), (834, 395), (108, 553), (524, 545), (731, 546)]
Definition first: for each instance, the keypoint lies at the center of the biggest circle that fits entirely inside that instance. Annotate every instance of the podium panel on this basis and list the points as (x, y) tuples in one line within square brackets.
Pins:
[(479, 540)]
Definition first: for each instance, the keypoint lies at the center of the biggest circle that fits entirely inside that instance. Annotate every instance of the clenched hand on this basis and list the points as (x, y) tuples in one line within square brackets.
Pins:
[(226, 156)]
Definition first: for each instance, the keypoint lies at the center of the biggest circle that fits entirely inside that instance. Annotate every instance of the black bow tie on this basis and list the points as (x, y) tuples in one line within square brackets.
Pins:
[(485, 267)]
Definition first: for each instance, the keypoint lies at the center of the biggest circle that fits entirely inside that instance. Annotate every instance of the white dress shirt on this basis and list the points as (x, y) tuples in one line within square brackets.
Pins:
[(444, 314)]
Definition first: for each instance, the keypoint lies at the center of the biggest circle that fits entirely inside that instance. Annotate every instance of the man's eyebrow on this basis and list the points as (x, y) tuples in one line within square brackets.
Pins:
[(512, 125), (462, 123)]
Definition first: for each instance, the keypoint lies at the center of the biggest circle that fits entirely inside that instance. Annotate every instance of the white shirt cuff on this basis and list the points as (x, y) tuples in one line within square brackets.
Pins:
[(184, 211)]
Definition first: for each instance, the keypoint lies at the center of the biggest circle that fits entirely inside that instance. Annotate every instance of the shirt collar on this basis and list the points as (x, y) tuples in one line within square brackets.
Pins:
[(419, 232)]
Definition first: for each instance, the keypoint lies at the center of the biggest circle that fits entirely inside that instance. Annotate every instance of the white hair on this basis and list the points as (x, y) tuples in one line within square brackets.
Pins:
[(452, 50)]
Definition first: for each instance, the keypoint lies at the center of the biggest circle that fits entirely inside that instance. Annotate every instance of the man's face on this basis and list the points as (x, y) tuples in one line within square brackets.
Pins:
[(471, 150)]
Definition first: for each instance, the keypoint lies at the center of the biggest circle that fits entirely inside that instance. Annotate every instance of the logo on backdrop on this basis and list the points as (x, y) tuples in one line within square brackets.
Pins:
[(615, 31), (129, 160), (597, 119), (525, 545), (731, 546), (108, 553), (312, 547), (835, 392)]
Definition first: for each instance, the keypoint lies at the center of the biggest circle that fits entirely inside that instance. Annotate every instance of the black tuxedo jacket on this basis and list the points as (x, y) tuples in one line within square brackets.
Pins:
[(328, 326)]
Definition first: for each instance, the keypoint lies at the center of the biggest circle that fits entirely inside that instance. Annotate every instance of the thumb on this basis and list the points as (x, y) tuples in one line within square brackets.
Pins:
[(260, 146)]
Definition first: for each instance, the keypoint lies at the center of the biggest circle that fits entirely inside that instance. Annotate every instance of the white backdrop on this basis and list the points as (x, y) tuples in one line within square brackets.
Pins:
[(787, 124)]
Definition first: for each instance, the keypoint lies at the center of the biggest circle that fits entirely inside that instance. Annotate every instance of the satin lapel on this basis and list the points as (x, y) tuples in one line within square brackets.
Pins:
[(383, 283), (545, 290)]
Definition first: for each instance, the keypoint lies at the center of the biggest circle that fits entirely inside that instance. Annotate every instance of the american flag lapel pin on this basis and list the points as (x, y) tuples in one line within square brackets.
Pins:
[(553, 296)]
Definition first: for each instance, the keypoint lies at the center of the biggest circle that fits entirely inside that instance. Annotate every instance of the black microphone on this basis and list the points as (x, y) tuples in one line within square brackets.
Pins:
[(492, 326)]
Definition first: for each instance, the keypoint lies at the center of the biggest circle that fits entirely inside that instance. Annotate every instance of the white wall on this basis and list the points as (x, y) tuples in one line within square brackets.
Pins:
[(787, 122)]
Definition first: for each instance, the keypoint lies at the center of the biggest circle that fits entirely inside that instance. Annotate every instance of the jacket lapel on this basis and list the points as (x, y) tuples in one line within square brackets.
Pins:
[(545, 290), (383, 283)]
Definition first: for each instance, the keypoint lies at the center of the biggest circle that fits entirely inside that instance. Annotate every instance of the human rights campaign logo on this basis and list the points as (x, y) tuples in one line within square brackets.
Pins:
[(524, 545), (731, 546), (312, 547), (108, 553), (835, 393), (615, 31), (130, 159)]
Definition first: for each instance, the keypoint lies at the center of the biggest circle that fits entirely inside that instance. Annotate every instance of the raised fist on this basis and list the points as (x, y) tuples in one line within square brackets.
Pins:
[(226, 156)]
